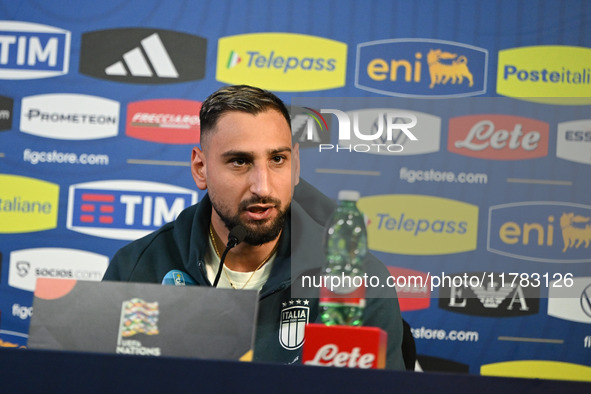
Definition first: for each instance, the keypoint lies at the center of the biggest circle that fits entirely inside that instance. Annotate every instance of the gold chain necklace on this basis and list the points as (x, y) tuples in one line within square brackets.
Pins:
[(217, 252)]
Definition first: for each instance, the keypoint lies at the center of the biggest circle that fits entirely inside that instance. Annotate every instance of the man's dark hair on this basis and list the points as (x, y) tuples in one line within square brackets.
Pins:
[(242, 98)]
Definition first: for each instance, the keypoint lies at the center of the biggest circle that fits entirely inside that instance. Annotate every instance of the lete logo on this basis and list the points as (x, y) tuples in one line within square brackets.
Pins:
[(498, 137)]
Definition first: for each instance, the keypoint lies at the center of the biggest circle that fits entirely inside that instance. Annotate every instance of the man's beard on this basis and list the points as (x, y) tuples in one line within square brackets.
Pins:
[(258, 232)]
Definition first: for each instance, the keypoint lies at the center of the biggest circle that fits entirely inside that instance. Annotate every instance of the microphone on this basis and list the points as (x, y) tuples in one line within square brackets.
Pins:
[(237, 235), (178, 278)]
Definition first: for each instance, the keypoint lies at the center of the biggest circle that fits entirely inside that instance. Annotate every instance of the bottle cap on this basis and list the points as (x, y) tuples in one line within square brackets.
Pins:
[(349, 195)]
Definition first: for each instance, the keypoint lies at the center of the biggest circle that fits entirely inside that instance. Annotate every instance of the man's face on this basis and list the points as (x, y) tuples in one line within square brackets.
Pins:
[(249, 168)]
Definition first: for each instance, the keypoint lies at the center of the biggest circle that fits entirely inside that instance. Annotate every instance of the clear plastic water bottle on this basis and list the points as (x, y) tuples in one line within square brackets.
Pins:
[(345, 245)]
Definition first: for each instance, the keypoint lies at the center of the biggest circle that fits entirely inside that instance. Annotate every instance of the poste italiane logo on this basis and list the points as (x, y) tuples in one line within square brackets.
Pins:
[(420, 225), (551, 74), (282, 61), (27, 204)]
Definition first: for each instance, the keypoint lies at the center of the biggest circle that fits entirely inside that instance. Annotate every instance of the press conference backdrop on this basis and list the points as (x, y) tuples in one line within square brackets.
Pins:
[(99, 111)]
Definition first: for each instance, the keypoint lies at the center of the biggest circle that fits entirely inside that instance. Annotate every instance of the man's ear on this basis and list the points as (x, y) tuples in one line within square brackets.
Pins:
[(198, 168), (295, 158)]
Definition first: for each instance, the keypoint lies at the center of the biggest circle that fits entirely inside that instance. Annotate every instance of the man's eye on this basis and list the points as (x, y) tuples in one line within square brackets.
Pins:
[(238, 162), (278, 159)]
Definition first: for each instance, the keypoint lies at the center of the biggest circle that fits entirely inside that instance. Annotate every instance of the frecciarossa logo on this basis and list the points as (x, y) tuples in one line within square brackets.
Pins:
[(124, 209), (164, 121), (498, 137), (282, 61), (421, 68)]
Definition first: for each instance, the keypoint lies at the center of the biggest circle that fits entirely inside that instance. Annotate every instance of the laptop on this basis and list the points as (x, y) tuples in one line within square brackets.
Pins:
[(143, 319)]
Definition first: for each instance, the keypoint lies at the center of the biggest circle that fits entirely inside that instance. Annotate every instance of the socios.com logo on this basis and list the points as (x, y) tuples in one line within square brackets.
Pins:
[(27, 204), (551, 74), (27, 265), (282, 61), (420, 225), (421, 68), (553, 232), (124, 209), (30, 50)]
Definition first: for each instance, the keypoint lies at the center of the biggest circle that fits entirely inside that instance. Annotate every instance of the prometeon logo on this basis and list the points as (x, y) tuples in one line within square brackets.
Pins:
[(124, 209), (27, 204), (553, 74), (492, 295), (140, 55), (419, 225), (6, 111), (552, 232), (31, 51), (282, 62), (69, 116), (498, 137), (164, 121), (573, 142), (421, 68)]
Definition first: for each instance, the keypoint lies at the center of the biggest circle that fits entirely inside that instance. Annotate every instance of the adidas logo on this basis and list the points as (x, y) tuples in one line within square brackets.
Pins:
[(141, 55), (139, 66)]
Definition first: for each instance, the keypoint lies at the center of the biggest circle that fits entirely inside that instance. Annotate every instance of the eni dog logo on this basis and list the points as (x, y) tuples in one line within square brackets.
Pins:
[(553, 232), (420, 68), (27, 204), (552, 74), (282, 62)]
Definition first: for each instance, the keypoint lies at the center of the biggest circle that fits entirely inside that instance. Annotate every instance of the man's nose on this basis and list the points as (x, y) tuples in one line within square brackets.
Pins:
[(260, 181)]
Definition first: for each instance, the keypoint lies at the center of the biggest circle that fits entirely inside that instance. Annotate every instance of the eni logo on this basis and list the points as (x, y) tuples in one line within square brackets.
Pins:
[(442, 71), (553, 232), (421, 68)]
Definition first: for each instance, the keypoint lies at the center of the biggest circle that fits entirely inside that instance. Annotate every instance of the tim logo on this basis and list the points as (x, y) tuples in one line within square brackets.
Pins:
[(164, 121), (554, 232), (489, 296), (138, 55), (294, 317), (124, 209), (498, 137), (419, 68), (31, 50), (308, 127)]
